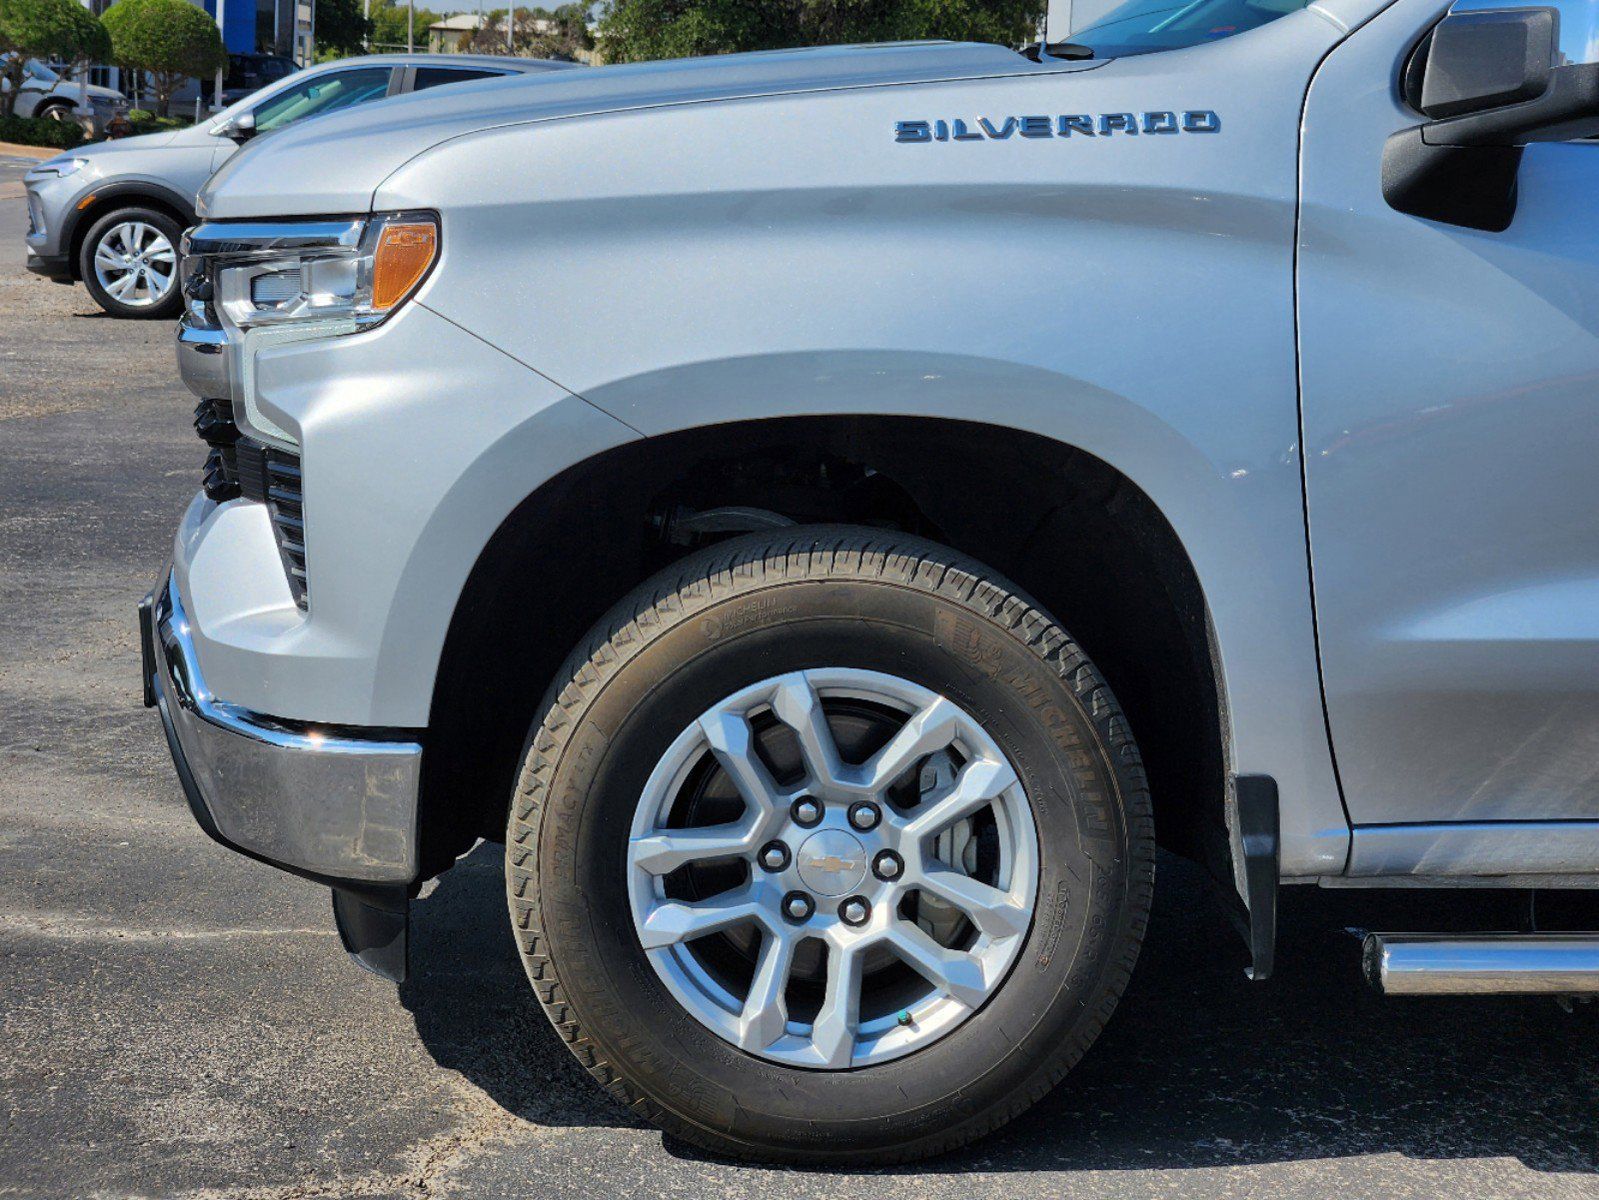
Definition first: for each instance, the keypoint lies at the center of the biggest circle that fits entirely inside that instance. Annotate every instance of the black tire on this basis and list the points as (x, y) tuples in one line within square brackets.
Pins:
[(54, 112), (749, 609), (168, 306)]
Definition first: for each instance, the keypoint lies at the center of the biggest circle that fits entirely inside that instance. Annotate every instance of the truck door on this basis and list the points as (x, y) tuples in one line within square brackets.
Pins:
[(1450, 407)]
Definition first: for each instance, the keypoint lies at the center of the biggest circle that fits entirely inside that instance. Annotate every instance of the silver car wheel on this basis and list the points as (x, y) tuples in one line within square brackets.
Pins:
[(924, 856), (135, 264)]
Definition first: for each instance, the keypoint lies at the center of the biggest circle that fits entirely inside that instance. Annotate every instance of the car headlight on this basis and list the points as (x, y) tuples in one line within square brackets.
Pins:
[(347, 275), (57, 168)]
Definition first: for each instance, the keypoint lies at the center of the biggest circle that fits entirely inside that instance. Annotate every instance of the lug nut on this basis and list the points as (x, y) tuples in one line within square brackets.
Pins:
[(797, 906), (864, 816), (806, 811), (774, 856), (854, 911), (888, 865)]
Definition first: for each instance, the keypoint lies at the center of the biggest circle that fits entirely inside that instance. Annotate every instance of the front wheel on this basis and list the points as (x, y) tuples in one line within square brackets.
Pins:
[(829, 847), (129, 263)]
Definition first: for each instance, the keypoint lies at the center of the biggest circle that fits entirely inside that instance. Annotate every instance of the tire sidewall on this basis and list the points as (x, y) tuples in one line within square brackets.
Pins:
[(174, 300), (1054, 1000)]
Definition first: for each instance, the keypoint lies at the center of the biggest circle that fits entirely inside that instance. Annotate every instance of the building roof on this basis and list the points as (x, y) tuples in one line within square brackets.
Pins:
[(460, 22)]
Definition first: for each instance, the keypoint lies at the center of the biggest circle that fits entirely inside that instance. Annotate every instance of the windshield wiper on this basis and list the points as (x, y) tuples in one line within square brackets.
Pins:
[(1038, 51)]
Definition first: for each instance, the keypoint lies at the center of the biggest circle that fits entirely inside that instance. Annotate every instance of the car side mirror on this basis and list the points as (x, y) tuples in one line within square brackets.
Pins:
[(240, 128), (1491, 78)]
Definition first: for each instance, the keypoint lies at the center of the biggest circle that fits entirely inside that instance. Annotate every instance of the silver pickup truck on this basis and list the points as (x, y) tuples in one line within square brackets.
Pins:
[(833, 512)]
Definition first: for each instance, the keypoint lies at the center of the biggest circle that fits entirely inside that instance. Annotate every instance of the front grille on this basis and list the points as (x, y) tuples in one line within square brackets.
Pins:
[(213, 421), (238, 466)]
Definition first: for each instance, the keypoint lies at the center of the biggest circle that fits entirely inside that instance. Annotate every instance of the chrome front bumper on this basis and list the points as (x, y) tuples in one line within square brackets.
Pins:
[(322, 803)]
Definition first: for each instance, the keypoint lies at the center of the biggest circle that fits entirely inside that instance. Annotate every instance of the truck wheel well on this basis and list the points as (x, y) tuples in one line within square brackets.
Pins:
[(1074, 533)]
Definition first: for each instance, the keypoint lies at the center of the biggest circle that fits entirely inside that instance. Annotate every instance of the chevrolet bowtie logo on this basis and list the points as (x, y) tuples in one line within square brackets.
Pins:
[(832, 862)]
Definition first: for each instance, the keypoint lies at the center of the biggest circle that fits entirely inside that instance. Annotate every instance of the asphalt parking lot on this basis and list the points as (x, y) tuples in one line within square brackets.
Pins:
[(178, 1021)]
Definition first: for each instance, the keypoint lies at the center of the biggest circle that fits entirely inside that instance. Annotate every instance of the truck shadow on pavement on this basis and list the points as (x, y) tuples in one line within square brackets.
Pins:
[(1199, 1067)]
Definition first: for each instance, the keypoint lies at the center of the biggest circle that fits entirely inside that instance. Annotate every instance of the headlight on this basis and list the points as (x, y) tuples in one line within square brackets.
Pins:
[(344, 275), (57, 168)]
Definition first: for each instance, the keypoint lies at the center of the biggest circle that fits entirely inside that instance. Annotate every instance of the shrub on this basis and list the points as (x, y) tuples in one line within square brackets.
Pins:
[(172, 40), (144, 121), (36, 131)]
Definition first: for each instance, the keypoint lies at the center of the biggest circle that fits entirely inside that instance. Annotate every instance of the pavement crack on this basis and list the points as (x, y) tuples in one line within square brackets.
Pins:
[(86, 929)]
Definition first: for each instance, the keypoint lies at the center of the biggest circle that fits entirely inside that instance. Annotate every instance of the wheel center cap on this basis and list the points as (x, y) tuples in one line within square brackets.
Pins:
[(831, 862)]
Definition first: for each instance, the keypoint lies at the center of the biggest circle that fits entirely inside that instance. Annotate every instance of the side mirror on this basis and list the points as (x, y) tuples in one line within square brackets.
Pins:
[(1491, 78), (240, 128)]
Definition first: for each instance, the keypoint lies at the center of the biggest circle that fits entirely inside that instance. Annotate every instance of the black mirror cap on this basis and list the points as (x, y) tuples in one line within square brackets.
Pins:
[(1473, 187), (1490, 59)]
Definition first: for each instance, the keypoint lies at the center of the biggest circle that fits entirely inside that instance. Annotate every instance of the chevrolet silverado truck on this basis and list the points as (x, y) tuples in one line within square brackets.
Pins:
[(834, 512)]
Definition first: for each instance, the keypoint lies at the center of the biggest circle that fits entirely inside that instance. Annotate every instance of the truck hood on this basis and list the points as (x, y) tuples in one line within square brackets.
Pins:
[(333, 164)]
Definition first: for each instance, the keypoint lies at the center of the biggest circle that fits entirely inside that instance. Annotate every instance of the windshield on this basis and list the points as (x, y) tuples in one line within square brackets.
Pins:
[(322, 94), (1145, 26), (37, 70)]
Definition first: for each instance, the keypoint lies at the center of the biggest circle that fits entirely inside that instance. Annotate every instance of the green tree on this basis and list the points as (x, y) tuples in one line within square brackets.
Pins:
[(172, 40), (340, 28), (632, 30), (52, 29), (388, 25), (562, 34), (89, 42)]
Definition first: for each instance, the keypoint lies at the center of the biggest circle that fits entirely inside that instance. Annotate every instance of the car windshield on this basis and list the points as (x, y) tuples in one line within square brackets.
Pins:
[(1145, 26), (320, 94), (37, 70)]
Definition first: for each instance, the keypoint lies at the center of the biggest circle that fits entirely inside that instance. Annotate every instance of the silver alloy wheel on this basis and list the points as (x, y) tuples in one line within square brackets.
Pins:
[(135, 264), (867, 892)]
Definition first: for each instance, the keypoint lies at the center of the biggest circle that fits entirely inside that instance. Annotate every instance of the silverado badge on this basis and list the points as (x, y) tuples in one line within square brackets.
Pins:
[(984, 129)]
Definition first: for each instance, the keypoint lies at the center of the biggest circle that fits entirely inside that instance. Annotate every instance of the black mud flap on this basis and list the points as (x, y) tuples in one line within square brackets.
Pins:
[(1260, 835), (147, 647), (374, 926)]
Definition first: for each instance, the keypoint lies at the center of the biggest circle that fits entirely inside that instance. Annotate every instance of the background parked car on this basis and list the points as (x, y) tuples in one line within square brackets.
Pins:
[(47, 93), (110, 214), (247, 74)]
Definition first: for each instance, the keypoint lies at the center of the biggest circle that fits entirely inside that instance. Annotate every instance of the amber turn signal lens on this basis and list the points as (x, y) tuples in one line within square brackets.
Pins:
[(404, 254)]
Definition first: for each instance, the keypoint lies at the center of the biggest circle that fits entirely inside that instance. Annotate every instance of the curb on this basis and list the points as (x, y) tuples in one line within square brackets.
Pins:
[(12, 150)]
